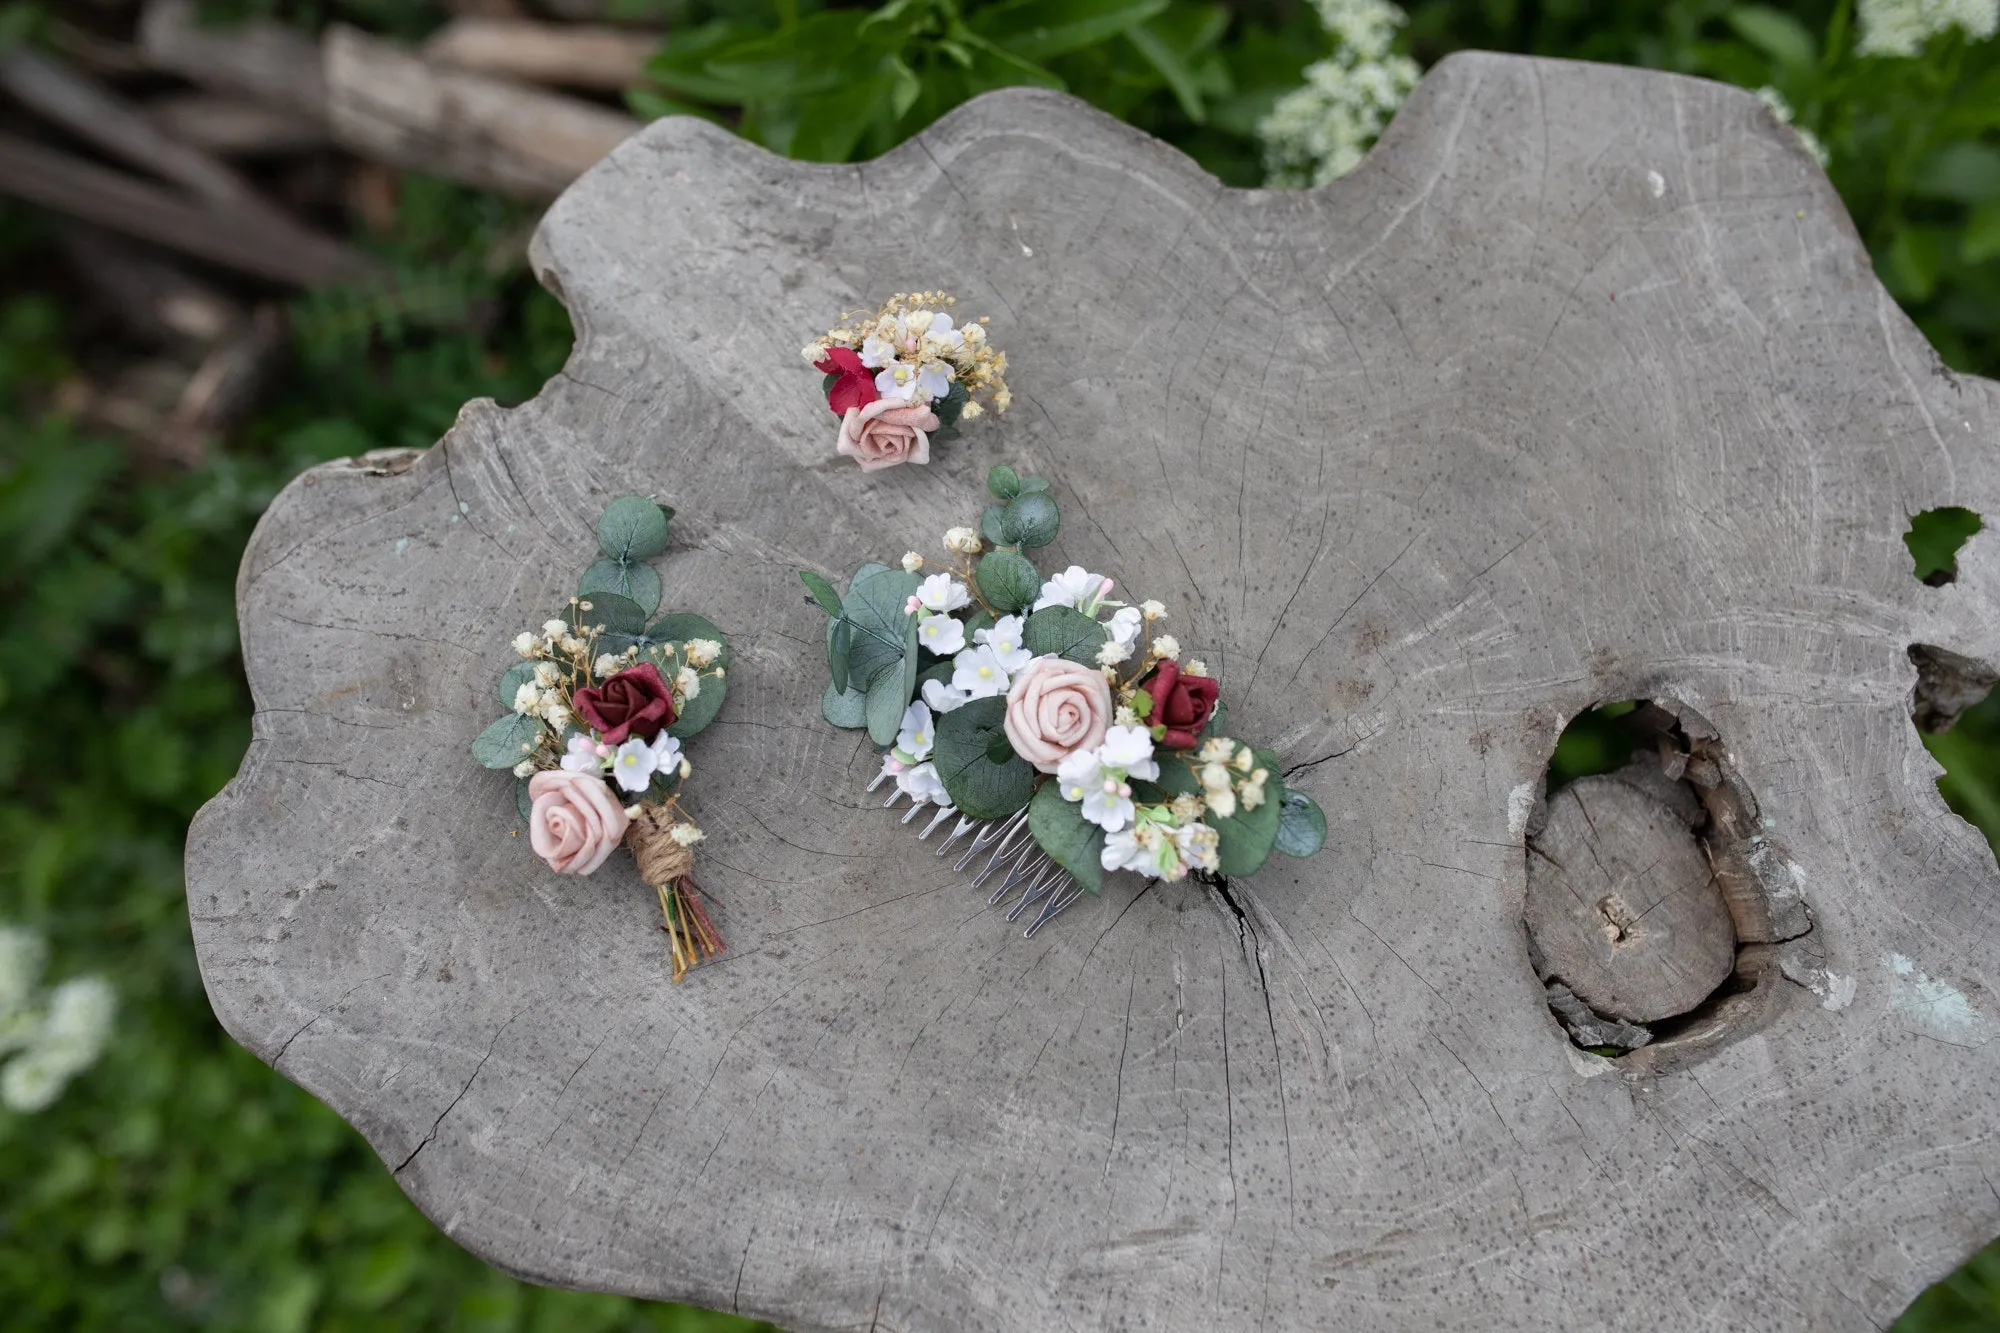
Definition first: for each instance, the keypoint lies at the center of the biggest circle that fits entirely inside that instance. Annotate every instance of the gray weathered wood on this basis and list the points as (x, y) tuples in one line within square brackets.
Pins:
[(1579, 389)]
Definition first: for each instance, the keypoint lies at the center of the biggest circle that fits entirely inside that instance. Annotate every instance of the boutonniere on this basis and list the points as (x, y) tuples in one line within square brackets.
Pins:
[(1059, 723), (601, 698), (906, 377)]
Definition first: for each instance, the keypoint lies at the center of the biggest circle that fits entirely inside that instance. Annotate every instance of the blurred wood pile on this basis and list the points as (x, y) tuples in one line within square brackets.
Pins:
[(203, 172)]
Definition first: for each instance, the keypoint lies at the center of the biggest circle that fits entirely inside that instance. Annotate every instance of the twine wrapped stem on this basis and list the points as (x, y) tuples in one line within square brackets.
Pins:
[(665, 864)]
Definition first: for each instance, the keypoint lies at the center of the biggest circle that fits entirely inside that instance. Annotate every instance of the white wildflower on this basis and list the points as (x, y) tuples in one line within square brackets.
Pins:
[(667, 755), (943, 635), (633, 766), (1124, 625), (554, 629), (1187, 807), (1123, 852), (1075, 587), (1130, 751), (1153, 610), (1320, 132), (527, 698), (877, 352), (546, 674), (1198, 845), (965, 541), (1123, 716), (687, 835), (979, 673), (898, 381), (943, 698), (1782, 109), (1216, 750), (554, 713), (1901, 27), (923, 785), (1195, 667), (1253, 790), (524, 644), (1106, 798), (1166, 647), (914, 738), (687, 684), (1004, 638), (1112, 652), (582, 755), (525, 769), (605, 665), (942, 592), (912, 561), (703, 652)]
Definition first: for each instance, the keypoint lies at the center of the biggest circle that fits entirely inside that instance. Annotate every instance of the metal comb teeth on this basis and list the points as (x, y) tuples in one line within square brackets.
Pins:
[(1012, 856)]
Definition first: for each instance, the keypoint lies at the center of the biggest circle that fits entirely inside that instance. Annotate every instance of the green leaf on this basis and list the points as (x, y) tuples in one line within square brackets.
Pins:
[(948, 409), (1066, 632), (638, 582), (839, 643), (1301, 823), (889, 696), (874, 609), (632, 528), (1041, 29), (1072, 842), (524, 804), (844, 708), (681, 66), (979, 787), (1981, 240), (1008, 581), (1218, 721), (507, 742), (831, 124), (817, 56), (1246, 836), (1003, 481), (618, 615), (1778, 35), (1964, 170), (512, 679), (993, 526), (1030, 485), (685, 626), (701, 710), (1031, 519), (1167, 63), (822, 591)]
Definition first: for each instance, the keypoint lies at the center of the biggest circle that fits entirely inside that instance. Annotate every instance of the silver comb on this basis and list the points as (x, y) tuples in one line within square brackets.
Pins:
[(1012, 854)]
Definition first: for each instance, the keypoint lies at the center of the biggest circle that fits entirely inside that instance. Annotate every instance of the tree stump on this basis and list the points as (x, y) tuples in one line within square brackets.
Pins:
[(1580, 389)]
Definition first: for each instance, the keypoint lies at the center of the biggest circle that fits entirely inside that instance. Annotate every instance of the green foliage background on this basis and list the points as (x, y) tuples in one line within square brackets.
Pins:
[(182, 1183)]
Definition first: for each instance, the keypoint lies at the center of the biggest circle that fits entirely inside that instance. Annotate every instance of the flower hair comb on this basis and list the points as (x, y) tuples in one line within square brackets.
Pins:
[(906, 376), (602, 701), (1059, 726)]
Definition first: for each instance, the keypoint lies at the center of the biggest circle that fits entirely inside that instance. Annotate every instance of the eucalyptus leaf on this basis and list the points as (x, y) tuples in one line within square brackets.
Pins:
[(1030, 485), (507, 742), (1073, 842), (1301, 824), (874, 611), (822, 591), (993, 526), (1031, 519), (979, 787), (887, 700), (1066, 632), (948, 409), (1003, 481), (632, 528), (699, 711), (684, 627), (617, 614), (638, 582), (524, 804), (1008, 581), (512, 679), (1247, 836), (844, 708), (839, 641)]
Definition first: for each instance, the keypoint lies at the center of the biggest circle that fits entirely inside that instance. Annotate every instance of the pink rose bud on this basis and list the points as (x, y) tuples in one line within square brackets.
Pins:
[(604, 751), (1104, 588), (911, 607)]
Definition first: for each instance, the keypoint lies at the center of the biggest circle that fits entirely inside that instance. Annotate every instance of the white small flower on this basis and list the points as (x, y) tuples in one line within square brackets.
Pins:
[(702, 652), (525, 769), (914, 737), (1004, 638), (79, 1021), (1124, 626), (1221, 804), (943, 698), (1216, 750), (1166, 647), (524, 644), (1197, 844), (1130, 751), (687, 684), (1214, 777), (29, 1084), (933, 379), (965, 541), (877, 352), (1195, 667), (897, 381), (943, 635), (545, 674), (1901, 27), (1078, 775), (687, 835), (912, 561), (1123, 852), (1076, 587), (667, 754), (633, 766), (1123, 716), (605, 665), (1112, 652), (1153, 610), (923, 785), (1187, 807), (582, 755), (527, 698), (22, 956), (554, 713), (979, 673), (554, 629), (942, 592)]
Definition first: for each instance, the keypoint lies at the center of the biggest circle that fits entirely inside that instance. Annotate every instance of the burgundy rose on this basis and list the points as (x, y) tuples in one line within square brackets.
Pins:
[(1181, 703), (856, 385), (635, 702)]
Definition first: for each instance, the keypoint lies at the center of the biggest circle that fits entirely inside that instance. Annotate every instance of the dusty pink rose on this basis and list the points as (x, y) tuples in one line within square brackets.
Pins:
[(575, 822), (1056, 708), (886, 432)]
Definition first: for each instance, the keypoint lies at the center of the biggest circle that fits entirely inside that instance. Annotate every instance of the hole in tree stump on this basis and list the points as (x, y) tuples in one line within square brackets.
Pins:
[(1934, 539), (1957, 712), (1656, 900)]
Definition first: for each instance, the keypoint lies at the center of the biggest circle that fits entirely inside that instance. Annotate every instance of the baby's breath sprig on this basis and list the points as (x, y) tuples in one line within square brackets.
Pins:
[(905, 376)]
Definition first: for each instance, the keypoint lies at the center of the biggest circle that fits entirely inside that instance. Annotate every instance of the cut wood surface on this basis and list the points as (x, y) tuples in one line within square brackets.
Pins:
[(1581, 388), (496, 134)]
